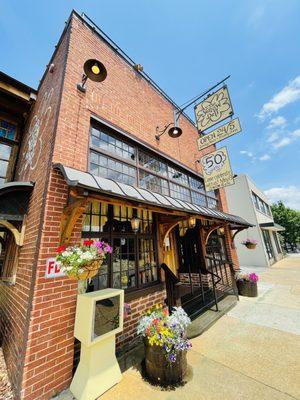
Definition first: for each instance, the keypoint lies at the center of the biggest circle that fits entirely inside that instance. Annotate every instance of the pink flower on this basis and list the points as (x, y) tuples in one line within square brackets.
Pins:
[(253, 277)]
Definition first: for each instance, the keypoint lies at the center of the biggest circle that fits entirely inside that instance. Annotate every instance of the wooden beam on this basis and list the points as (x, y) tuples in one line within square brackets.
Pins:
[(70, 216), (19, 236)]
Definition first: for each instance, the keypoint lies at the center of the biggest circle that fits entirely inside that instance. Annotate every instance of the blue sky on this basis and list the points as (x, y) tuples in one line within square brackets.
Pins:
[(186, 46)]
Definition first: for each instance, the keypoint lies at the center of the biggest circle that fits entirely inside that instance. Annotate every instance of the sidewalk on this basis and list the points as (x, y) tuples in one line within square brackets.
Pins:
[(252, 353)]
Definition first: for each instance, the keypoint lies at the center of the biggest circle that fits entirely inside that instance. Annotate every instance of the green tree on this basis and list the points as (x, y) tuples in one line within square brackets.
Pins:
[(290, 220)]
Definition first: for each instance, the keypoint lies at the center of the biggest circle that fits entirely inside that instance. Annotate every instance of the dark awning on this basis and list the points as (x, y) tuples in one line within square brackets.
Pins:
[(95, 183), (14, 198), (272, 226)]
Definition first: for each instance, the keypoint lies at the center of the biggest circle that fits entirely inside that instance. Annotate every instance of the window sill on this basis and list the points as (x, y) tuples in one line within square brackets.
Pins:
[(144, 291)]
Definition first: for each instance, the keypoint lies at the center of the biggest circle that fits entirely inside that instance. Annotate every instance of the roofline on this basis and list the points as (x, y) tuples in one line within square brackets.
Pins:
[(14, 82), (95, 29)]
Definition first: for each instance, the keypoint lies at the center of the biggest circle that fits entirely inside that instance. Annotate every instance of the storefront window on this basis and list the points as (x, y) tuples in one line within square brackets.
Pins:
[(132, 265), (152, 163), (153, 183), (268, 244), (276, 240), (180, 192)]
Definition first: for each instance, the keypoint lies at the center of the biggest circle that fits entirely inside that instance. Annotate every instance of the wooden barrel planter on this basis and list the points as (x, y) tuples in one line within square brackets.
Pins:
[(247, 288), (159, 370)]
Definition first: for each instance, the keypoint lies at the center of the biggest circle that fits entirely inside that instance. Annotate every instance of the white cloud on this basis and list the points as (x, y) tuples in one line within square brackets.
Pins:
[(289, 195), (296, 133), (277, 122), (282, 143), (289, 94), (265, 157), (272, 137), (247, 153)]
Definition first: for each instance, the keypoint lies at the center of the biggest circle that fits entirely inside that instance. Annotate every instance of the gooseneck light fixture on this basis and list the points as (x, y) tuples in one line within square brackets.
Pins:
[(93, 70), (192, 222)]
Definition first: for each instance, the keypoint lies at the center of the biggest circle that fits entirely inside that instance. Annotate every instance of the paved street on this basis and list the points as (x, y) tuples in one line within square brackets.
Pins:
[(252, 353)]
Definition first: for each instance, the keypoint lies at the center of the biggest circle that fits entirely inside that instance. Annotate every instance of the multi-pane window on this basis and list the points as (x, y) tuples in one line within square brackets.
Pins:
[(116, 159), (108, 167), (178, 176), (132, 264), (260, 205), (276, 240), (8, 130), (153, 182), (5, 154), (152, 163), (180, 192)]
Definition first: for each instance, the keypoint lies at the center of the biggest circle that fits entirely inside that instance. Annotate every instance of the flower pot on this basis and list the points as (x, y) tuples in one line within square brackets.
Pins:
[(250, 245), (247, 288), (160, 370), (90, 270)]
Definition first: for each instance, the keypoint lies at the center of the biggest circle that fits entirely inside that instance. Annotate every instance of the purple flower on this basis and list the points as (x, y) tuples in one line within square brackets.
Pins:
[(172, 357)]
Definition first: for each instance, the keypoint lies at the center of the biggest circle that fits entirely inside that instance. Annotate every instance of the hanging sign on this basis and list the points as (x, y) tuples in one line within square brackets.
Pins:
[(218, 134), (215, 108), (217, 171)]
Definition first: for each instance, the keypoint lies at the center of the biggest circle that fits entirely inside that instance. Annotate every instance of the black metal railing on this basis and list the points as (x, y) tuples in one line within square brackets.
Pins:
[(172, 287)]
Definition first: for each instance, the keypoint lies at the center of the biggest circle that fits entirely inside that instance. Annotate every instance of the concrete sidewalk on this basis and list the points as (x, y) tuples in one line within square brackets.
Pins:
[(253, 352)]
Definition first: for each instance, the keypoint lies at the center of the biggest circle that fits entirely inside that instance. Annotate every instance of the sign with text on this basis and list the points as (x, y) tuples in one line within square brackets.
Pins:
[(53, 269), (217, 171), (218, 134), (215, 108)]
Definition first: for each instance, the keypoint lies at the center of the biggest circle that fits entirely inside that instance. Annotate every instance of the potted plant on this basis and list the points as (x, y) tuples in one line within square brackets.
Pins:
[(247, 284), (250, 243), (166, 344), (81, 262)]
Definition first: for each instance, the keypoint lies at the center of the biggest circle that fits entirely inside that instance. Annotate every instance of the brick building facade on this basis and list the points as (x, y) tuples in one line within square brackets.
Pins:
[(37, 313)]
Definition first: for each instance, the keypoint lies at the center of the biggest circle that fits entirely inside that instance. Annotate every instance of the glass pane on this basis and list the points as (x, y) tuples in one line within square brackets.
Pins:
[(179, 192), (3, 168), (177, 175), (5, 151), (153, 183), (153, 163), (8, 130), (107, 315), (197, 184)]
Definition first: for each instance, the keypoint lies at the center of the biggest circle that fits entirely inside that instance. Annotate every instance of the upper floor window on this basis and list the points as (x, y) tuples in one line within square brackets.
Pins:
[(8, 149), (117, 159), (260, 205)]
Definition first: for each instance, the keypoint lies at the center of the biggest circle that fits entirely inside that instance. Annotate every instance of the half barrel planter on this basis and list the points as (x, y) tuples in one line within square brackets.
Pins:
[(247, 288), (159, 370)]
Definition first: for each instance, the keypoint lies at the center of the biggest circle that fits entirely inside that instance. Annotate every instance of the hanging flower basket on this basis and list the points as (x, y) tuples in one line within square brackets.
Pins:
[(82, 262), (90, 270), (250, 243), (166, 344)]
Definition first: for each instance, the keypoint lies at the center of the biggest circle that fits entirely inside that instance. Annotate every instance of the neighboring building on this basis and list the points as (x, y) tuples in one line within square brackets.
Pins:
[(246, 199), (81, 164)]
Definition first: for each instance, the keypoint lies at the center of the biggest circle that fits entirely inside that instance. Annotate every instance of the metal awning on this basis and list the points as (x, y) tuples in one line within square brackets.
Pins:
[(94, 183), (272, 226), (14, 199)]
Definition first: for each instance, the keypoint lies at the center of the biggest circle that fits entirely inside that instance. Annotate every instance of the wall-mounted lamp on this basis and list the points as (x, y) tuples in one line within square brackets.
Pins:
[(192, 222), (135, 224), (174, 132), (93, 70)]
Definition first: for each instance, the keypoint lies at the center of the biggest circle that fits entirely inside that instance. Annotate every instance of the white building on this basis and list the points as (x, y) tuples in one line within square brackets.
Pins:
[(246, 200)]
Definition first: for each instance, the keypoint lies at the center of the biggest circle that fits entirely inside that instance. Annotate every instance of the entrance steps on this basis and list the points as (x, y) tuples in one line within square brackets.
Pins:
[(204, 321)]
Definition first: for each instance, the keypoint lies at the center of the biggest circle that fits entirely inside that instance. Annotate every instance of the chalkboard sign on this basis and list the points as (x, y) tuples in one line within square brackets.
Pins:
[(106, 316)]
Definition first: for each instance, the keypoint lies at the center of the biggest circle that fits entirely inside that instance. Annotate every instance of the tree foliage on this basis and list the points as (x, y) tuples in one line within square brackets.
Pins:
[(290, 220)]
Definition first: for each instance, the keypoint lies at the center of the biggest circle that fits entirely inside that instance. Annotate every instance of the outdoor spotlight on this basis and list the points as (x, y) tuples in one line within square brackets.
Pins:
[(93, 70), (192, 222), (173, 132), (135, 224)]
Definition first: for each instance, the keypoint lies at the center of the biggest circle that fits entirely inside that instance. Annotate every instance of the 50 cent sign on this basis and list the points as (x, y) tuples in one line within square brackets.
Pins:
[(217, 171)]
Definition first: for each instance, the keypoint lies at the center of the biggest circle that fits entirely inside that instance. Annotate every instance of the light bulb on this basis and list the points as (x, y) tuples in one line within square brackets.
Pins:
[(95, 69)]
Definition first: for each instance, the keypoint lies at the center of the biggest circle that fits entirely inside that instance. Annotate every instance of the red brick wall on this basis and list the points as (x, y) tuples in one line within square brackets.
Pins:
[(16, 309)]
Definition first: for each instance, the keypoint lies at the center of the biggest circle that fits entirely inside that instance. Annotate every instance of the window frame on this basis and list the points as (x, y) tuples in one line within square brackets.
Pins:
[(139, 167), (14, 144), (110, 235)]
